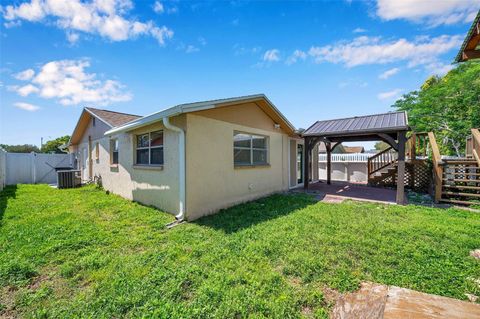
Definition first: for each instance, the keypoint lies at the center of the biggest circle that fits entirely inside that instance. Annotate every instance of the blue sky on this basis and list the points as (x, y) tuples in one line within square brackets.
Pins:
[(314, 60)]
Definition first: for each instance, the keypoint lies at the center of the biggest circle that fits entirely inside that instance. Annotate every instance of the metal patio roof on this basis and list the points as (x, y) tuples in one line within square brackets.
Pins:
[(377, 123)]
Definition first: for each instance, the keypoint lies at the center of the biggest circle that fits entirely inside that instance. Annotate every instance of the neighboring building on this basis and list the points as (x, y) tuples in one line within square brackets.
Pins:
[(354, 149), (192, 159), (470, 48), (337, 149), (341, 149)]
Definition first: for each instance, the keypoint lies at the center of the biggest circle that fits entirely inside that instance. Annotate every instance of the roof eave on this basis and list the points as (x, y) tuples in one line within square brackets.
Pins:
[(192, 107)]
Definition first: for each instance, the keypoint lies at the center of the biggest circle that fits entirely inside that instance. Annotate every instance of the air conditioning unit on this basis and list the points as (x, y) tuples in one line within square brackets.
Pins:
[(68, 178)]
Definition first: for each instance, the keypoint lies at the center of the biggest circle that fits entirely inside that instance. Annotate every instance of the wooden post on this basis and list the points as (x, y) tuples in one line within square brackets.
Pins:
[(328, 147), (401, 168), (306, 151), (437, 167)]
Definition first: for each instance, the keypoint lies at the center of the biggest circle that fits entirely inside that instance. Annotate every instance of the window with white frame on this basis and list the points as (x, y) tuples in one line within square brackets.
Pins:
[(149, 148), (249, 149), (114, 151)]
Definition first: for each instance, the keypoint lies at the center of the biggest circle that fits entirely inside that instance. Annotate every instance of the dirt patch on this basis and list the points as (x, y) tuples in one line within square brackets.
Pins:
[(475, 254)]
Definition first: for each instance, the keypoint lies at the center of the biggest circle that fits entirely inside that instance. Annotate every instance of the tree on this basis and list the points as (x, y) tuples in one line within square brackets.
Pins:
[(25, 148), (449, 106), (380, 146), (53, 146)]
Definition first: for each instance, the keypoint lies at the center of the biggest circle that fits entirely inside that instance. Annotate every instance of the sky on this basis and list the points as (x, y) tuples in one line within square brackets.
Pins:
[(314, 60)]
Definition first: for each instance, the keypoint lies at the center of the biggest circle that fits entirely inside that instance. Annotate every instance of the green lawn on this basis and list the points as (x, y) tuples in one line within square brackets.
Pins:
[(83, 253)]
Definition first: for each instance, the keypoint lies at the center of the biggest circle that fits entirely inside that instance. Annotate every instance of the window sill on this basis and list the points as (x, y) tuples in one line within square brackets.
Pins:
[(252, 166), (148, 167)]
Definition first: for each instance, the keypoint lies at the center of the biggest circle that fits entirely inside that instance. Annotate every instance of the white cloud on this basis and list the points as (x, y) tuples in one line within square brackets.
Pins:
[(385, 75), (69, 83), (26, 90), (432, 12), (359, 30), (107, 18), (271, 55), (26, 106), (439, 68), (158, 7), (297, 55), (191, 49), (373, 50), (389, 94), (25, 75), (72, 37)]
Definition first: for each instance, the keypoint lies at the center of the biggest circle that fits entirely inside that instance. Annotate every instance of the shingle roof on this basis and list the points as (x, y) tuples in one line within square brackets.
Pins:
[(112, 118), (377, 123)]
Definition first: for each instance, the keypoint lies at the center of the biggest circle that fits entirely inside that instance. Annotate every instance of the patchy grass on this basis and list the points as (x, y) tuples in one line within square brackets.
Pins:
[(83, 253)]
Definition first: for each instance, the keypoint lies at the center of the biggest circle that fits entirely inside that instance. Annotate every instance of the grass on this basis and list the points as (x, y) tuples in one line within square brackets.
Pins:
[(83, 253)]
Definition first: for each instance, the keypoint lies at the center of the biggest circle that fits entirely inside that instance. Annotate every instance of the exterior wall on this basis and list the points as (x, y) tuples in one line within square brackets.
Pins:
[(148, 185), (212, 180)]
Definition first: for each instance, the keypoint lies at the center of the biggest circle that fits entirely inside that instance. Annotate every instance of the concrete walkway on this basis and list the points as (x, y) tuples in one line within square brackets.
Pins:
[(375, 301), (339, 191)]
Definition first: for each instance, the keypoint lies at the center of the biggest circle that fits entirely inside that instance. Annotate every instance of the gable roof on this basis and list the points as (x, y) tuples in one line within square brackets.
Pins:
[(386, 122), (354, 149), (112, 118), (470, 48), (260, 99)]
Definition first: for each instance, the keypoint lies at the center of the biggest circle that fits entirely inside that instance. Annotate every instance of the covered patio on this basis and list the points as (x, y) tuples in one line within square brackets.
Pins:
[(388, 127)]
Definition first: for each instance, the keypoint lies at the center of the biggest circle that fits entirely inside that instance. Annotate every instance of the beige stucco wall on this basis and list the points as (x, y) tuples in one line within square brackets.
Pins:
[(150, 186), (212, 180)]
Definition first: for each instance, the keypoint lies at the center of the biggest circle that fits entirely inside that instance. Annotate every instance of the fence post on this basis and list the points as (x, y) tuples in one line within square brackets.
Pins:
[(33, 169)]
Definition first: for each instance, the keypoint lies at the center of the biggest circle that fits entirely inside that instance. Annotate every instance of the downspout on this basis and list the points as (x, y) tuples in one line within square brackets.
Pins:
[(181, 166)]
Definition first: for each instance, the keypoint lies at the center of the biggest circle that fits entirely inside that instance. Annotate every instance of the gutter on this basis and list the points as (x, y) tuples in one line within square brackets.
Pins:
[(181, 165)]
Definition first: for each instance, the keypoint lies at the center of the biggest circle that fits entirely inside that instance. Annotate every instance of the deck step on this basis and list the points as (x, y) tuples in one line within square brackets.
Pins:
[(463, 187), (461, 180), (461, 174), (461, 194), (456, 201)]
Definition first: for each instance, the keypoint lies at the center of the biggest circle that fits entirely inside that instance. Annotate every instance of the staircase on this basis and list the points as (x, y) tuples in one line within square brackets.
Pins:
[(382, 167), (461, 177)]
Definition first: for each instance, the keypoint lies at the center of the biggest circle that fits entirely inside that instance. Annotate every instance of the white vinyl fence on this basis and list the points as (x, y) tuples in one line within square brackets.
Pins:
[(3, 162), (345, 167), (35, 168)]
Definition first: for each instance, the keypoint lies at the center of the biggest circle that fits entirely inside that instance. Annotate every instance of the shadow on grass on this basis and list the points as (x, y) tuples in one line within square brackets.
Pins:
[(7, 193), (246, 215)]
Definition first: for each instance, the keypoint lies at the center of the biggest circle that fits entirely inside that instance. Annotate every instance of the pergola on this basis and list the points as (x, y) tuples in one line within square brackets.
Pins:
[(389, 127)]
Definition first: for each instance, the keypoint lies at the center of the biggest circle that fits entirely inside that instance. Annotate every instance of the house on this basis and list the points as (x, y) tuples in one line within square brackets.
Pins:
[(470, 48), (193, 159), (341, 149), (354, 149)]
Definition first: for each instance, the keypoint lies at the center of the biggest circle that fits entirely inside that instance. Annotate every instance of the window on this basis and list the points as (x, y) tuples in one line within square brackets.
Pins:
[(97, 151), (93, 122), (150, 148), (249, 149), (114, 151)]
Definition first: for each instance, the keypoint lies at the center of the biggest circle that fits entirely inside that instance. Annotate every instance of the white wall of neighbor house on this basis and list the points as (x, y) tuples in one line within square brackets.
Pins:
[(213, 181), (150, 185)]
